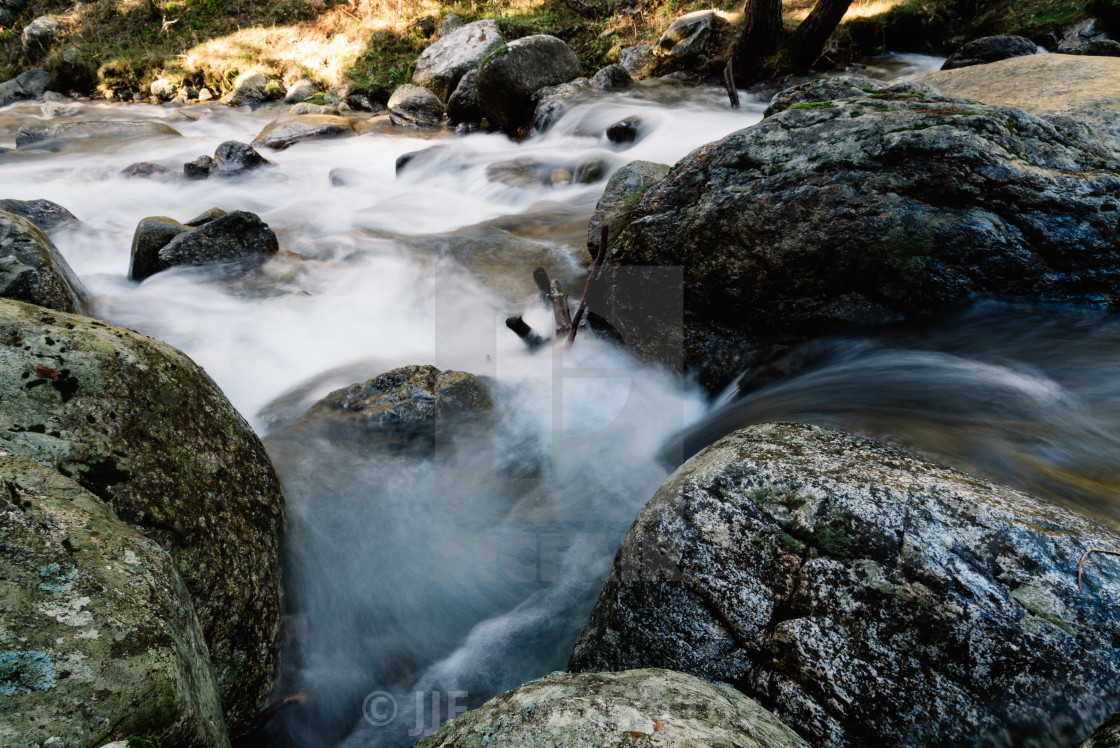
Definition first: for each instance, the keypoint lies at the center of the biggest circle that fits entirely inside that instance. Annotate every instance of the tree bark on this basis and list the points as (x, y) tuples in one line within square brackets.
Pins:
[(806, 43), (762, 33)]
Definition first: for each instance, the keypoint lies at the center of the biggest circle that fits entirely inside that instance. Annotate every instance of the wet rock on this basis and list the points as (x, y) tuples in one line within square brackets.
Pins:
[(1105, 736), (693, 37), (31, 135), (238, 237), (39, 35), (287, 131), (451, 22), (523, 172), (28, 85), (401, 409), (100, 636), (865, 594), (612, 78), (307, 108), (877, 207), (624, 131), (989, 49), (463, 105), (637, 59), (249, 89), (623, 191), (33, 270), (46, 215), (1088, 38), (342, 177), (418, 158), (591, 170), (550, 102), (144, 429), (151, 235), (444, 63), (508, 79), (200, 168), (148, 170), (414, 106), (301, 90), (232, 157), (205, 217), (592, 710)]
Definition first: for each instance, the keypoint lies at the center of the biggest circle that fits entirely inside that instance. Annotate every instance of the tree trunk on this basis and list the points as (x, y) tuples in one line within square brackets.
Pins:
[(806, 43), (762, 33)]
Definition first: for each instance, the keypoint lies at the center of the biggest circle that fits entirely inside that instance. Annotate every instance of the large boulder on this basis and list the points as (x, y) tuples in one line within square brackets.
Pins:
[(47, 215), (866, 596), (59, 134), (511, 75), (33, 270), (161, 243), (98, 636), (989, 49), (444, 63), (1063, 85), (143, 428), (693, 37), (595, 710), (1105, 736), (463, 105), (882, 205), (286, 131), (415, 106), (27, 85), (39, 35)]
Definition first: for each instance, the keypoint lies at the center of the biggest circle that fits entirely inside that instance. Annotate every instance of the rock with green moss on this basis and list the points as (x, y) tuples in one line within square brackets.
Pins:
[(33, 270), (866, 596), (636, 707), (143, 428), (98, 635), (623, 191)]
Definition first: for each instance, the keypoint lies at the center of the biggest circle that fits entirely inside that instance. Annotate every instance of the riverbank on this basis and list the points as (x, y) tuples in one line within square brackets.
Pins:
[(118, 48)]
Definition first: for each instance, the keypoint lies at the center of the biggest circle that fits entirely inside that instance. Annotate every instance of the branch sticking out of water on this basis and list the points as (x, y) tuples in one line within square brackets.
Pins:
[(729, 84), (587, 288)]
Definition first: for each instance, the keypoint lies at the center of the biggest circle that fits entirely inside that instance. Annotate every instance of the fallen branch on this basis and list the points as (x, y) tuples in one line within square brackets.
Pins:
[(521, 328), (560, 309), (264, 717), (729, 84), (1085, 556), (587, 288)]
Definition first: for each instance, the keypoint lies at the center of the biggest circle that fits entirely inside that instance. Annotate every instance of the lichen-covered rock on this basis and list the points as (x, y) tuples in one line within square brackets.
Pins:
[(882, 205), (27, 85), (59, 134), (1105, 736), (287, 131), (463, 105), (866, 596), (591, 710), (33, 270), (48, 216), (623, 191), (98, 636), (989, 49), (693, 36), (39, 35), (510, 76), (143, 428), (161, 243), (415, 106), (402, 408), (444, 63)]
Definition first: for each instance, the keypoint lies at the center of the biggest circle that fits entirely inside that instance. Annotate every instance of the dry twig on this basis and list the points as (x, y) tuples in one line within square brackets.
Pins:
[(1085, 556)]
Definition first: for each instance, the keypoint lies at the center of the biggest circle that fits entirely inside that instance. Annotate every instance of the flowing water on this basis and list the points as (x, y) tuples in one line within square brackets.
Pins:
[(422, 585)]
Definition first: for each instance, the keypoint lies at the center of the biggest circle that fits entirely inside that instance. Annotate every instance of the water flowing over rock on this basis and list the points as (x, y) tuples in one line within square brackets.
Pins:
[(649, 707), (143, 428), (155, 172), (33, 270), (864, 595), (872, 205), (46, 215), (511, 75), (232, 157), (989, 49), (100, 638), (161, 243), (59, 134), (551, 102), (444, 63), (287, 131), (28, 85), (415, 106)]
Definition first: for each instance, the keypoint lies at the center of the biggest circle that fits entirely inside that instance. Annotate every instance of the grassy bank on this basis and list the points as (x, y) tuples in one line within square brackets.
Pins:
[(122, 46)]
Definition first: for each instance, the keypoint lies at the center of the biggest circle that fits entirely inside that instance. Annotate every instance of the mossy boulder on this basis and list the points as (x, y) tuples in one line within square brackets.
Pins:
[(143, 428), (877, 204), (98, 636), (623, 191), (509, 76), (634, 707), (33, 270), (866, 596)]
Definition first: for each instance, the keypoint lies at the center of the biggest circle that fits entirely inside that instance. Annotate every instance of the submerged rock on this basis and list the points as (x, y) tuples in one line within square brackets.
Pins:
[(98, 636), (48, 216), (287, 131), (415, 106), (869, 597), (644, 707), (989, 49), (882, 205), (29, 135), (511, 75), (33, 270), (403, 407), (161, 243), (149, 170), (143, 428), (460, 50)]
